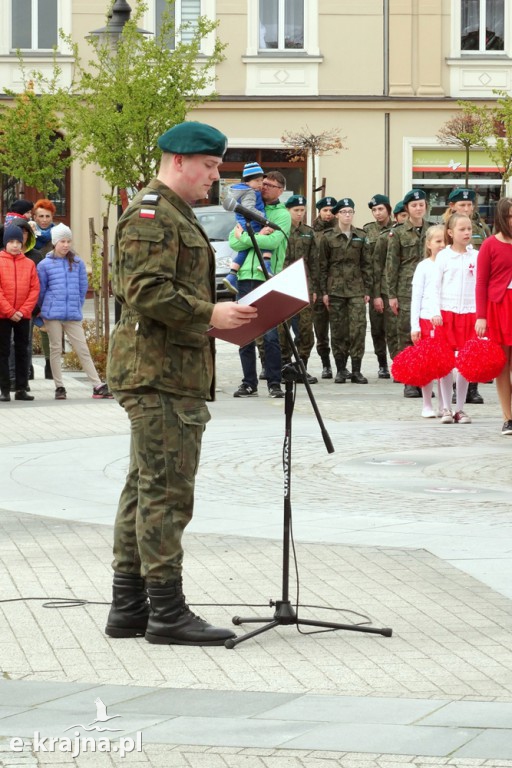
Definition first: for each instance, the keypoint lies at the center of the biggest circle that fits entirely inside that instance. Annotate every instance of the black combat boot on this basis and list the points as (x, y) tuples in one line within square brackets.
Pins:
[(410, 391), (311, 379), (357, 377), (47, 369), (383, 367), (326, 368), (171, 622), (473, 396), (128, 615), (341, 371)]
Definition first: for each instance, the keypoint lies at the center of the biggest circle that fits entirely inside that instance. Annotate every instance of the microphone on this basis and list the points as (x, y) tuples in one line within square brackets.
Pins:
[(230, 204)]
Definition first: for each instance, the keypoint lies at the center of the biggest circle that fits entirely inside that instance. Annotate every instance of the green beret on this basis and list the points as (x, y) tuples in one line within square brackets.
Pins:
[(295, 200), (461, 194), (378, 200), (326, 202), (191, 138), (399, 207), (345, 202), (414, 194)]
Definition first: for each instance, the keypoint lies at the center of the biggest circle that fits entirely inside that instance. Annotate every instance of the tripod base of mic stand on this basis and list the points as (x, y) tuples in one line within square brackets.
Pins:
[(285, 614)]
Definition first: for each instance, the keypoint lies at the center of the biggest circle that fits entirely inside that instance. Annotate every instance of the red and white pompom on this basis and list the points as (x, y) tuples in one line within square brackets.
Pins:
[(480, 360)]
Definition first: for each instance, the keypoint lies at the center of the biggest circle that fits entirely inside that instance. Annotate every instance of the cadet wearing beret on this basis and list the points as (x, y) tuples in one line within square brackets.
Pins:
[(322, 224), (462, 200), (381, 210), (160, 369), (346, 280), (301, 245), (405, 251)]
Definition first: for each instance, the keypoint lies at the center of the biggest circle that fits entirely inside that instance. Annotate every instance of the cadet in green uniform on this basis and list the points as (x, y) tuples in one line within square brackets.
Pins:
[(462, 200), (160, 369), (301, 245), (345, 280), (381, 210), (405, 251), (379, 294), (324, 222)]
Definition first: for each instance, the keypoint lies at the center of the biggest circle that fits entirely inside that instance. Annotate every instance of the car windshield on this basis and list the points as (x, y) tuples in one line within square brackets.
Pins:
[(216, 225)]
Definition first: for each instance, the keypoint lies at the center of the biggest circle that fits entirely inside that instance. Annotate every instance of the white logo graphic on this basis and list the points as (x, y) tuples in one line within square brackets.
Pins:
[(453, 165), (101, 717), (79, 744)]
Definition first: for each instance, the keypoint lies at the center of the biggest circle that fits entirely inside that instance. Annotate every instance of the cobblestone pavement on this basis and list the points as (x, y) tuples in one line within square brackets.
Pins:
[(406, 524)]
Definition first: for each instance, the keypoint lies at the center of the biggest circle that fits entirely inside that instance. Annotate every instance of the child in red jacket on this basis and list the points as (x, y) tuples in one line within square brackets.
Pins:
[(19, 291)]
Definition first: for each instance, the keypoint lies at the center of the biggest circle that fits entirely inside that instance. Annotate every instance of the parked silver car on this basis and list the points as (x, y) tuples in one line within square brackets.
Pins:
[(217, 224)]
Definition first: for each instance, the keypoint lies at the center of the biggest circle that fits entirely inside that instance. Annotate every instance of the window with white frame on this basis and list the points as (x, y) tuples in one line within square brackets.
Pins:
[(34, 24), (281, 25), (186, 13), (482, 26)]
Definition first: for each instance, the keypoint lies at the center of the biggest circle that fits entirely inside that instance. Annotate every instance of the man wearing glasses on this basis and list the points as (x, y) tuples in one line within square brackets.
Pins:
[(250, 276)]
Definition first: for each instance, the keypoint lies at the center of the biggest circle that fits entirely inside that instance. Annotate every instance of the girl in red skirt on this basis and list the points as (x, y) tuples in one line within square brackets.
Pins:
[(455, 296), (494, 299), (423, 303)]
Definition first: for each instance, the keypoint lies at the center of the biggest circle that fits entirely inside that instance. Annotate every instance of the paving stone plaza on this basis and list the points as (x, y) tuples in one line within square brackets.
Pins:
[(407, 525)]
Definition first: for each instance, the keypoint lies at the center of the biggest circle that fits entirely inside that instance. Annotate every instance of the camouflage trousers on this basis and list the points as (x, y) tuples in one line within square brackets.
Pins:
[(157, 501), (347, 317), (302, 331), (378, 331), (390, 328), (403, 323), (321, 326)]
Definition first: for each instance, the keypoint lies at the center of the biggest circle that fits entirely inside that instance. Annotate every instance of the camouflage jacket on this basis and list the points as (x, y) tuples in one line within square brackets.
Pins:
[(375, 233), (163, 275), (404, 252), (480, 231), (302, 245), (345, 265)]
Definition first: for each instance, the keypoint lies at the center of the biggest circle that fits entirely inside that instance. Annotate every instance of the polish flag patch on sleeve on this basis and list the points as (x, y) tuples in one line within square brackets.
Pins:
[(147, 213)]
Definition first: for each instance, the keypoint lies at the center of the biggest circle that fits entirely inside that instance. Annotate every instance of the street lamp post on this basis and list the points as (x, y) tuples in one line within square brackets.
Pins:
[(110, 35)]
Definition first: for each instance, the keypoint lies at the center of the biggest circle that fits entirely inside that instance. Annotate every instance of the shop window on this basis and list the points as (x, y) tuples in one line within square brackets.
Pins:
[(482, 26)]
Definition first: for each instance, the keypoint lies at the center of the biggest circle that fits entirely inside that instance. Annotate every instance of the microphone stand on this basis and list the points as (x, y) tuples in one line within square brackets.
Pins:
[(285, 613)]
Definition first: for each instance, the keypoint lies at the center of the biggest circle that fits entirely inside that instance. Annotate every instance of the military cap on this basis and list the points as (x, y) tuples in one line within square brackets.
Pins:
[(295, 200), (461, 194), (378, 200), (414, 194), (192, 138), (325, 202), (399, 207), (345, 202)]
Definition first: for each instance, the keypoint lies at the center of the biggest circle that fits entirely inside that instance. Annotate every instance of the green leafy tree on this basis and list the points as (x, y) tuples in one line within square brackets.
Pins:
[(494, 132), (462, 130), (127, 96), (32, 148)]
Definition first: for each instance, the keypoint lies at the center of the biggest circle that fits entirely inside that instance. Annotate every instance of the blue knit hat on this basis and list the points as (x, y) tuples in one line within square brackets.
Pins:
[(252, 171), (12, 232)]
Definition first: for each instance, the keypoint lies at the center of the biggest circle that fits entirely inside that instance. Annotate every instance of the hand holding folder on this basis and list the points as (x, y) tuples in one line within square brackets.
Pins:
[(276, 300)]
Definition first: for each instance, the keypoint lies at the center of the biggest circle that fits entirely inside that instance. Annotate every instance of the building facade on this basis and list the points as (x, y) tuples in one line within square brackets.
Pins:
[(385, 74)]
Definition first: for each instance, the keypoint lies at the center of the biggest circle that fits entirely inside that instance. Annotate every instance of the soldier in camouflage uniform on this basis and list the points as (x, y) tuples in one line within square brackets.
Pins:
[(322, 224), (462, 200), (381, 210), (160, 369), (379, 293), (345, 280), (405, 251), (301, 245)]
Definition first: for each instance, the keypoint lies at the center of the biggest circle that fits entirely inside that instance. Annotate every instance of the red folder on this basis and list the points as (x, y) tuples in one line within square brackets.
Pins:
[(277, 300)]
